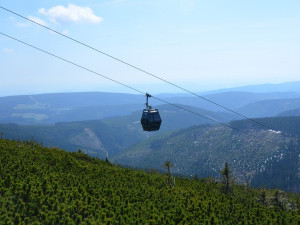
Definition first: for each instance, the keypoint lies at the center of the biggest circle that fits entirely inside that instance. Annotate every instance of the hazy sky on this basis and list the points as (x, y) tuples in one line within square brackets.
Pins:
[(201, 45)]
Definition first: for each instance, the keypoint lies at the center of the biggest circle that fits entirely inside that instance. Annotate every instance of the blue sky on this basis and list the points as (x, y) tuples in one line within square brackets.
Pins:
[(200, 45)]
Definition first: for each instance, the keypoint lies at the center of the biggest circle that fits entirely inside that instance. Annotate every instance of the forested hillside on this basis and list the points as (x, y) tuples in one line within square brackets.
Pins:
[(257, 155), (289, 126), (203, 150), (49, 186), (281, 172), (97, 138)]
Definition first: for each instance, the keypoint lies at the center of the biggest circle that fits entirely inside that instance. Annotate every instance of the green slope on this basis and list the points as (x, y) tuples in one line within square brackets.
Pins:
[(203, 150), (50, 186)]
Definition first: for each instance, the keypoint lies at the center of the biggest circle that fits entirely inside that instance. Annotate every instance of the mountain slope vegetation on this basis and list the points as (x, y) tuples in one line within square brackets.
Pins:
[(289, 126), (203, 150), (49, 186), (97, 138)]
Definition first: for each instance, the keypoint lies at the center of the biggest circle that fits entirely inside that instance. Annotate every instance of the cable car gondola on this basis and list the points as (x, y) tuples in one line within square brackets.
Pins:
[(150, 118)]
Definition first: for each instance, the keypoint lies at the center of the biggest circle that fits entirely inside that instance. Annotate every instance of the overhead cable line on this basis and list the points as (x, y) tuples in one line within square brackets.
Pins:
[(132, 88), (135, 67)]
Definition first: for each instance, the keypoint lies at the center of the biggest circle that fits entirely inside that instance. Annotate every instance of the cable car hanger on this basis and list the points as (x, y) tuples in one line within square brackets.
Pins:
[(148, 96)]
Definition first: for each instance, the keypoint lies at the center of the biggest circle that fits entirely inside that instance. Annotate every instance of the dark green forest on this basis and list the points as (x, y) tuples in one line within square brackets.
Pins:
[(282, 172), (50, 186)]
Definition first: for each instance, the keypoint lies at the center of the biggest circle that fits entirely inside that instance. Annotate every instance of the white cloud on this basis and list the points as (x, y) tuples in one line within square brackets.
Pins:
[(7, 50), (65, 32), (37, 20), (28, 24), (72, 13), (19, 24)]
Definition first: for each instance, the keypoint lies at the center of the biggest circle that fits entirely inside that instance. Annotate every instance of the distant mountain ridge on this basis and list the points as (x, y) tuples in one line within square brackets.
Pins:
[(231, 100), (293, 112), (269, 108), (68, 107), (293, 86)]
